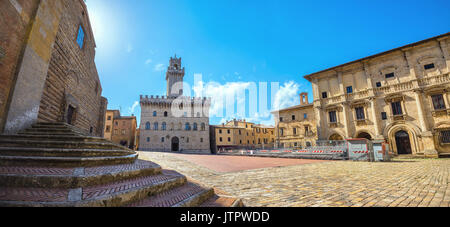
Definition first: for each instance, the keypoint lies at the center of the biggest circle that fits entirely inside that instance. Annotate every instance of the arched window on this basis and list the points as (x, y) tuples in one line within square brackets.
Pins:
[(162, 139), (147, 126), (155, 114), (164, 126), (148, 139), (195, 127), (166, 114), (155, 126), (203, 127), (187, 127)]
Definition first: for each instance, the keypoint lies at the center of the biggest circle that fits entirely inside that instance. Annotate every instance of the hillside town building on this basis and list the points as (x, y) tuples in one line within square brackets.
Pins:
[(296, 126), (240, 134), (401, 96), (174, 123), (121, 129)]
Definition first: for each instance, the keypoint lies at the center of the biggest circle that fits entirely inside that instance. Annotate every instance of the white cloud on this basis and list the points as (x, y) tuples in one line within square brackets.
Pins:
[(132, 109), (148, 61), (287, 96), (159, 67)]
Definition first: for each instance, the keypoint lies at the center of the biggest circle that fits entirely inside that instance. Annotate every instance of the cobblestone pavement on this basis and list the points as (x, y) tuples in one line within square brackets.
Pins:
[(404, 183)]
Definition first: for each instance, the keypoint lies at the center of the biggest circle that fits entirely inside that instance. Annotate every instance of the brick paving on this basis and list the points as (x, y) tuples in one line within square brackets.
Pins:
[(98, 170), (171, 197), (403, 183)]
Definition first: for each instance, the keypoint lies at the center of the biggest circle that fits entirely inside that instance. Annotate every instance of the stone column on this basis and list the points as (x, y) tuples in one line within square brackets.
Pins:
[(376, 123), (32, 72), (345, 109), (418, 97), (444, 47)]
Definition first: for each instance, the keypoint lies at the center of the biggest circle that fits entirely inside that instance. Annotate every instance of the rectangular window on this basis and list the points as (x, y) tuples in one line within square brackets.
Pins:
[(306, 129), (445, 136), (360, 113), (281, 119), (295, 131), (293, 117), (281, 131), (378, 84), (80, 37), (397, 108), (324, 95), (349, 90), (390, 75), (109, 118), (333, 118), (220, 139), (438, 102), (383, 116), (429, 66), (108, 128), (305, 116)]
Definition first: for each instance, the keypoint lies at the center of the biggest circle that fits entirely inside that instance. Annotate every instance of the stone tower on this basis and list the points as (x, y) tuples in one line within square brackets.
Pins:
[(174, 78)]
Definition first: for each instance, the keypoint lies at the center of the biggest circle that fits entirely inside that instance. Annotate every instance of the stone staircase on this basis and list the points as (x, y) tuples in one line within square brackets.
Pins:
[(55, 165)]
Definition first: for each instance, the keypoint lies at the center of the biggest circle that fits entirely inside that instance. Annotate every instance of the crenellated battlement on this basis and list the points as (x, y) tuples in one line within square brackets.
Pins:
[(145, 99)]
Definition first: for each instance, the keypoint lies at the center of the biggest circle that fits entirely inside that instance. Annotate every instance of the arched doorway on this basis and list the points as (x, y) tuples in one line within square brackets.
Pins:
[(403, 142), (336, 137), (175, 144), (364, 135)]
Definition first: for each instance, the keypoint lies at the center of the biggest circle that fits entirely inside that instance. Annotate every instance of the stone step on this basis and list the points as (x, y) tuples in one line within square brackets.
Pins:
[(222, 201), (66, 161), (104, 144), (40, 137), (49, 130), (188, 195), (53, 177), (61, 152), (51, 134), (112, 194)]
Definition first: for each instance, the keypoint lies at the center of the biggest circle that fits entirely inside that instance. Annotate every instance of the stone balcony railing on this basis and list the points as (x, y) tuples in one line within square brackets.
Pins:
[(389, 89)]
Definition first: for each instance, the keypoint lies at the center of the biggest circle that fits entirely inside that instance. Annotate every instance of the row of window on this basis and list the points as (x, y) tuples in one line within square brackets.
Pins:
[(163, 139), (438, 104), (295, 130), (266, 141), (166, 114), (187, 126), (305, 116), (378, 84)]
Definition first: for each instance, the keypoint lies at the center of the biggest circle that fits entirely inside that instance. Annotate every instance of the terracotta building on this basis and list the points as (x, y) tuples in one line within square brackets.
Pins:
[(240, 134), (47, 69), (400, 96), (296, 126), (121, 129)]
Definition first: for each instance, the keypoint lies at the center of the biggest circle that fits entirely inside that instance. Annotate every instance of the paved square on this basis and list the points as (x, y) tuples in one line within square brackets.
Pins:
[(404, 183), (227, 164)]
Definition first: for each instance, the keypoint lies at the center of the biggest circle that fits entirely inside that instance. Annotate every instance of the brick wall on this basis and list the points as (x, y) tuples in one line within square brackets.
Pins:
[(15, 23), (72, 77)]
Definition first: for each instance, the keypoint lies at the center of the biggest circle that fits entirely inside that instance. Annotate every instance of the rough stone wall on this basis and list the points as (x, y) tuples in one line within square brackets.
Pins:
[(16, 17), (301, 138), (124, 129), (190, 141), (72, 77)]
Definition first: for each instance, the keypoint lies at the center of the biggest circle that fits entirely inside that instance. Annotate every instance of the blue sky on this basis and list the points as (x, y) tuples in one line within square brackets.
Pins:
[(234, 42)]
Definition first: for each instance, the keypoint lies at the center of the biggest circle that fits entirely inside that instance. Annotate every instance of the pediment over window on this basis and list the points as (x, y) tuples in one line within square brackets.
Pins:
[(437, 89), (394, 98)]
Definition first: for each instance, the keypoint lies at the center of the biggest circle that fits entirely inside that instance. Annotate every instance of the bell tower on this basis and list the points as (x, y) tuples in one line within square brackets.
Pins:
[(174, 78)]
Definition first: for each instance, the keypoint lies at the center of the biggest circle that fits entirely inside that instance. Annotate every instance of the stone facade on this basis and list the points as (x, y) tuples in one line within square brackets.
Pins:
[(121, 129), (174, 123), (50, 71), (296, 126), (400, 96), (240, 134)]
